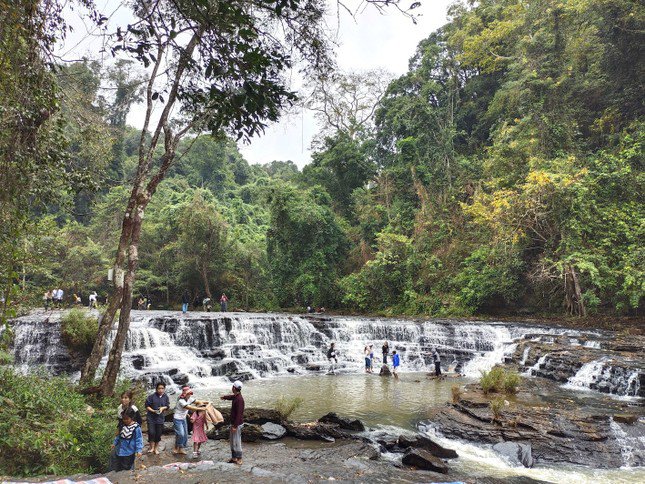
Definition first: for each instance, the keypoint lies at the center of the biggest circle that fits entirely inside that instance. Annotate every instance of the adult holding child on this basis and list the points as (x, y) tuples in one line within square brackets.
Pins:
[(185, 403), (156, 404)]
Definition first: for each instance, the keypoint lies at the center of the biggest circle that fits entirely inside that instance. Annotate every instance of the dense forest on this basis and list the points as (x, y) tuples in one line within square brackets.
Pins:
[(502, 172)]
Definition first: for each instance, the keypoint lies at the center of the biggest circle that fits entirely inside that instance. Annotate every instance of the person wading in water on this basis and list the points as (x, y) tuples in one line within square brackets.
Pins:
[(237, 422)]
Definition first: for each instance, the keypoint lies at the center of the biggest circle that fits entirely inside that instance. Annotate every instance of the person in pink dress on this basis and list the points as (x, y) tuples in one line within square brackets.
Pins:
[(198, 419)]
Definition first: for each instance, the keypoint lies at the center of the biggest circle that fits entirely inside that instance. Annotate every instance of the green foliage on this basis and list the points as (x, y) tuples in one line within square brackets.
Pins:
[(49, 428), (496, 405), (512, 381), (78, 331), (456, 392), (499, 380), (492, 381), (285, 406)]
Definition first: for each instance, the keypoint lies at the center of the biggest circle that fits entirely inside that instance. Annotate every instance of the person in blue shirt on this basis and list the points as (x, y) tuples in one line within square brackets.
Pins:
[(128, 443), (396, 362)]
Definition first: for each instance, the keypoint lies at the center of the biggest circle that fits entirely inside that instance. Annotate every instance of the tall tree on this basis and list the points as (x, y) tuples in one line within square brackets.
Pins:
[(223, 74)]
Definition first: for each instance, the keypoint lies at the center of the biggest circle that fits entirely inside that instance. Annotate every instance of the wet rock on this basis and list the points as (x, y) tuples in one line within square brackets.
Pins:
[(388, 443), (342, 422), (626, 418), (257, 416), (178, 377), (250, 433), (313, 367), (242, 376), (138, 362), (385, 371), (557, 434), (271, 431), (517, 453), (422, 459), (425, 443)]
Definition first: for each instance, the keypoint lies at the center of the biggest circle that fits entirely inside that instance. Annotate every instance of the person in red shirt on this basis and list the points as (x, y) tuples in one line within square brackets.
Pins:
[(237, 422), (223, 303)]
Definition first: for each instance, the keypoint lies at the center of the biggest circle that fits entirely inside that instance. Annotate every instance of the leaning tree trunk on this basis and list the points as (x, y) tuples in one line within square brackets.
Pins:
[(107, 318), (203, 271), (111, 373)]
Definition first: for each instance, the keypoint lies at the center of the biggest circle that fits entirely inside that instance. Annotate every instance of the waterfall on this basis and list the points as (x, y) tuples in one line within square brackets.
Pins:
[(538, 365), (604, 376), (207, 349)]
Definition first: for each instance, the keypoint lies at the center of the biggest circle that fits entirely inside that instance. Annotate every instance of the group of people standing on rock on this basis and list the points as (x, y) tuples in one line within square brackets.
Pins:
[(368, 352), (205, 303), (128, 443), (54, 299)]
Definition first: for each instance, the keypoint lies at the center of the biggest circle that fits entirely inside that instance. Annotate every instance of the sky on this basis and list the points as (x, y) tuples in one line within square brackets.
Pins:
[(369, 41)]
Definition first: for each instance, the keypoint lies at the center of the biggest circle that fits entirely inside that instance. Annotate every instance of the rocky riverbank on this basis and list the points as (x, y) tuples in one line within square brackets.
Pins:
[(556, 426)]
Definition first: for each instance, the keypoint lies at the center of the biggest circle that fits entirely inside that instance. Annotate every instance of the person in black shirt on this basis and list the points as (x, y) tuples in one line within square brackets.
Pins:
[(156, 404), (385, 349), (332, 356), (237, 422)]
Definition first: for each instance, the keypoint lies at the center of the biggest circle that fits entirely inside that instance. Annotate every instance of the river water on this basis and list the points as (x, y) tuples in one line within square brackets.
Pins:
[(396, 406)]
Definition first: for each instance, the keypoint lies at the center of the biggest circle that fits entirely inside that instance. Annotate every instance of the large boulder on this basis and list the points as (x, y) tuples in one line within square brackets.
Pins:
[(425, 443), (342, 422), (271, 431), (250, 433), (422, 459), (516, 453)]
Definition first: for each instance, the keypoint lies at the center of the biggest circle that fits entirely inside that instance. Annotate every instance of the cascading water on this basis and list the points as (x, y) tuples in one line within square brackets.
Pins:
[(601, 375), (210, 348)]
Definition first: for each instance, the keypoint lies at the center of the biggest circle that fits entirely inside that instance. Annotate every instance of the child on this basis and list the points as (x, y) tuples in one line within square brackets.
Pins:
[(396, 362), (128, 443), (198, 419), (126, 402)]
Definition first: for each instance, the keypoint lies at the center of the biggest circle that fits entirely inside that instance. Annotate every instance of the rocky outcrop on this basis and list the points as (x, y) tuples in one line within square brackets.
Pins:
[(608, 365), (556, 433)]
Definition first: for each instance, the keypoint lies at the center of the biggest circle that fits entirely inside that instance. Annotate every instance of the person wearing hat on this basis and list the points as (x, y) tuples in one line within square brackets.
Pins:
[(237, 421), (185, 403)]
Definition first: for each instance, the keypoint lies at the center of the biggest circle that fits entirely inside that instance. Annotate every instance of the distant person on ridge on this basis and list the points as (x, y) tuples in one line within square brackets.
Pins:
[(437, 362), (93, 299), (396, 362), (185, 301), (223, 303), (385, 349), (237, 422), (333, 358)]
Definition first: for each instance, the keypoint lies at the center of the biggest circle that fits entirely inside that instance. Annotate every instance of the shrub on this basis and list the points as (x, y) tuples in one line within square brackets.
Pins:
[(47, 427), (6, 358), (496, 406), (456, 393), (492, 381), (512, 380), (286, 406), (78, 331), (499, 380)]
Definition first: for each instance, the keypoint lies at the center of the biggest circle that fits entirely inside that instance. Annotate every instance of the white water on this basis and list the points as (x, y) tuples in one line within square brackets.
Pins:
[(600, 371), (537, 366)]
